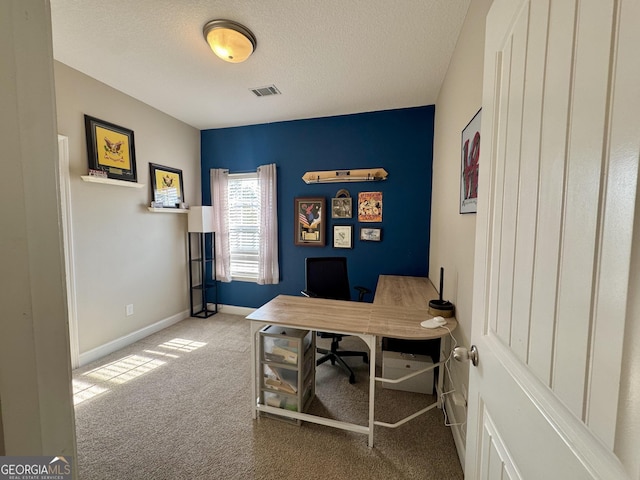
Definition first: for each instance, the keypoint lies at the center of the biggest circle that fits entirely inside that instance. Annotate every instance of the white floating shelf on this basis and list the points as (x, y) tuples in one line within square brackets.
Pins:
[(343, 176), (168, 210), (111, 181)]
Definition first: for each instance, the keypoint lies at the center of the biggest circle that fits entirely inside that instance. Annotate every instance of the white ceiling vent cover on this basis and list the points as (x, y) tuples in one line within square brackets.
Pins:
[(265, 91)]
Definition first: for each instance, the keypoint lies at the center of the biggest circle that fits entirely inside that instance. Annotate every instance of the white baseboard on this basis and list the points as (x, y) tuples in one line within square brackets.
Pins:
[(455, 429), (117, 344), (235, 310)]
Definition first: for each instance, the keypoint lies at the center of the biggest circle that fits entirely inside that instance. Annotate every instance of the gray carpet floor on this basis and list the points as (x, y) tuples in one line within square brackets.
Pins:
[(176, 405)]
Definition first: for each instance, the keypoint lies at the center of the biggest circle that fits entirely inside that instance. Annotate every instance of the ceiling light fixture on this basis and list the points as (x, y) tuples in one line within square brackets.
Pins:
[(229, 40)]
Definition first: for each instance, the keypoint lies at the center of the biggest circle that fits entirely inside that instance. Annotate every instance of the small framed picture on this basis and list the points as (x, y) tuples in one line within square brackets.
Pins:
[(371, 234), (309, 221), (110, 149), (342, 236), (166, 186), (341, 207)]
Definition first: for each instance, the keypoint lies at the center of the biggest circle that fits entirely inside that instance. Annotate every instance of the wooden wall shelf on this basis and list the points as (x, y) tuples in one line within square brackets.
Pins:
[(111, 181), (343, 176), (168, 210)]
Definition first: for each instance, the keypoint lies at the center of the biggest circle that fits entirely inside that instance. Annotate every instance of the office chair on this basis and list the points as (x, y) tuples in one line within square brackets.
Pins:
[(326, 277)]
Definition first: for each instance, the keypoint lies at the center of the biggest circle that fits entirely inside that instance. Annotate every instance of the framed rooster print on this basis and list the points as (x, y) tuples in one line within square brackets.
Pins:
[(309, 222), (110, 149), (166, 186)]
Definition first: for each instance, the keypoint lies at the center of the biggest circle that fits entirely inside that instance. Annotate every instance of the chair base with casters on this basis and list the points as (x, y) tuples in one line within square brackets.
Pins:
[(335, 355)]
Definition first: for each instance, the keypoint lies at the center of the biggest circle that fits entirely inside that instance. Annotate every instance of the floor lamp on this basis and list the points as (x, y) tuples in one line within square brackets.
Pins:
[(202, 267)]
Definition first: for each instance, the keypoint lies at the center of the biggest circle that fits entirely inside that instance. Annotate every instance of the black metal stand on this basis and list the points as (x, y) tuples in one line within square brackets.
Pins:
[(203, 286)]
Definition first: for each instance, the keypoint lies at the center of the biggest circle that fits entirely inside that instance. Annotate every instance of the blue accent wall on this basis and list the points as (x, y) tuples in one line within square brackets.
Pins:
[(400, 141)]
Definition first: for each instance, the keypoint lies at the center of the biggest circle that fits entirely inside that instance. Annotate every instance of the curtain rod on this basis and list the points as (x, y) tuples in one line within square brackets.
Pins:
[(239, 172)]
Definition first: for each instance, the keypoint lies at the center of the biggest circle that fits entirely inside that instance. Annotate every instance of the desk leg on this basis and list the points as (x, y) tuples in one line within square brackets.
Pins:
[(255, 327), (441, 370), (371, 341), (372, 389)]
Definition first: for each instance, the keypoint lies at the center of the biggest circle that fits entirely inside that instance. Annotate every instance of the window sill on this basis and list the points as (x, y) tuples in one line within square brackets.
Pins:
[(244, 279)]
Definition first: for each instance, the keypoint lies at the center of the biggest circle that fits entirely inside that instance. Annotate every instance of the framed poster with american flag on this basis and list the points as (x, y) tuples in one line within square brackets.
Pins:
[(309, 221)]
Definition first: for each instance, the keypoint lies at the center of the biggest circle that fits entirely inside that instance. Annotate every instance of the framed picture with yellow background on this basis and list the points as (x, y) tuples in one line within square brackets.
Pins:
[(166, 186), (110, 149)]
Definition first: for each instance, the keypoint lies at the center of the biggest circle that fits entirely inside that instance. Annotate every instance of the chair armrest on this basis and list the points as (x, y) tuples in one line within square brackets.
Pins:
[(308, 293), (362, 291)]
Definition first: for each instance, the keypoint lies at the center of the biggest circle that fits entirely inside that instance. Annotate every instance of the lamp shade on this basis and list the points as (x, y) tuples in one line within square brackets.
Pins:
[(200, 219)]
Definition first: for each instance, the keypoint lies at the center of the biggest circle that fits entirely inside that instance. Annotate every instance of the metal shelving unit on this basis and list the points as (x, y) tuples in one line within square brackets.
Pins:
[(203, 286)]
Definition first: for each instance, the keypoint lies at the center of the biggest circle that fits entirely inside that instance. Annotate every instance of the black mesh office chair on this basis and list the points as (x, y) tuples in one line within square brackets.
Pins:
[(326, 277)]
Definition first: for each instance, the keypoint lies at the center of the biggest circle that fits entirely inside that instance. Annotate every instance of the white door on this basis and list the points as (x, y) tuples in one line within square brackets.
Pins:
[(558, 177)]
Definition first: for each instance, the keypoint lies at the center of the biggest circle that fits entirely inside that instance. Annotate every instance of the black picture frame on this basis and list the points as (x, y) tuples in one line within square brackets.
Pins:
[(368, 234), (167, 189), (309, 221), (110, 149)]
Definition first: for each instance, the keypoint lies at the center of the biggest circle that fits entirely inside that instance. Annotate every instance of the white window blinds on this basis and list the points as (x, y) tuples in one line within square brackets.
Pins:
[(244, 225)]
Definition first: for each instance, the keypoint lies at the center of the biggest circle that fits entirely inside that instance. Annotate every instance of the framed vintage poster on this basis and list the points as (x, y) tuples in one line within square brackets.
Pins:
[(309, 222), (342, 236), (166, 186), (370, 206), (470, 165), (110, 149), (370, 234)]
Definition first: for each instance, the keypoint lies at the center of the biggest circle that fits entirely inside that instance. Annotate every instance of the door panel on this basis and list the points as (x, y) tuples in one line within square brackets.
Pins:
[(584, 163), (552, 234), (554, 98), (529, 185), (498, 463)]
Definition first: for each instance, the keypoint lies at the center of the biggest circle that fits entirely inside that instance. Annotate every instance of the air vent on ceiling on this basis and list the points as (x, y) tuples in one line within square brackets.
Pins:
[(265, 91)]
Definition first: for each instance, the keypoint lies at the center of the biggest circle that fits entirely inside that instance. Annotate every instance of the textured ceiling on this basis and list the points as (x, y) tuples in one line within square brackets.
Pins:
[(327, 57)]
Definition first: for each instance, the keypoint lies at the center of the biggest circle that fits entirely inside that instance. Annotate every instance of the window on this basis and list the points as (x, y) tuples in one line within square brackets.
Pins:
[(244, 225)]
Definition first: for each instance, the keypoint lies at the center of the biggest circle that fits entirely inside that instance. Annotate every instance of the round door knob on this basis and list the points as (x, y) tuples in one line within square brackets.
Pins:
[(462, 354)]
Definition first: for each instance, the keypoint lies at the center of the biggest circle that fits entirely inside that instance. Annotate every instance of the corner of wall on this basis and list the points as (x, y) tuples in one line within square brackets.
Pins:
[(453, 234)]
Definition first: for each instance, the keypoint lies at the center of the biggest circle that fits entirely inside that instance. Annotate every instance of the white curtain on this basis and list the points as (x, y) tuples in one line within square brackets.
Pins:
[(219, 188), (268, 270)]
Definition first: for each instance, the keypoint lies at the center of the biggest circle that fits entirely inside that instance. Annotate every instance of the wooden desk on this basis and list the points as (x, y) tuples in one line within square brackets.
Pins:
[(401, 291), (400, 304)]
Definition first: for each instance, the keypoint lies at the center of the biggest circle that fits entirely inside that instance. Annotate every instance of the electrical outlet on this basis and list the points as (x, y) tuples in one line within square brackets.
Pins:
[(129, 309)]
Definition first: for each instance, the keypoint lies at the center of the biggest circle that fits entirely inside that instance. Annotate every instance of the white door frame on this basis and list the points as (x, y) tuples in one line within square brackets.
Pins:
[(67, 241)]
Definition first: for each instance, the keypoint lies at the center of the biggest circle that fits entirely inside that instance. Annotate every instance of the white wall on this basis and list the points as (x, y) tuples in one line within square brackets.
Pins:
[(453, 234), (125, 254), (35, 373)]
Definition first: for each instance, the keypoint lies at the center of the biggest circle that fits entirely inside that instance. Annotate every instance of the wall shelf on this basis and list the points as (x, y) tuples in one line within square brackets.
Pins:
[(168, 210), (342, 176), (111, 181)]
